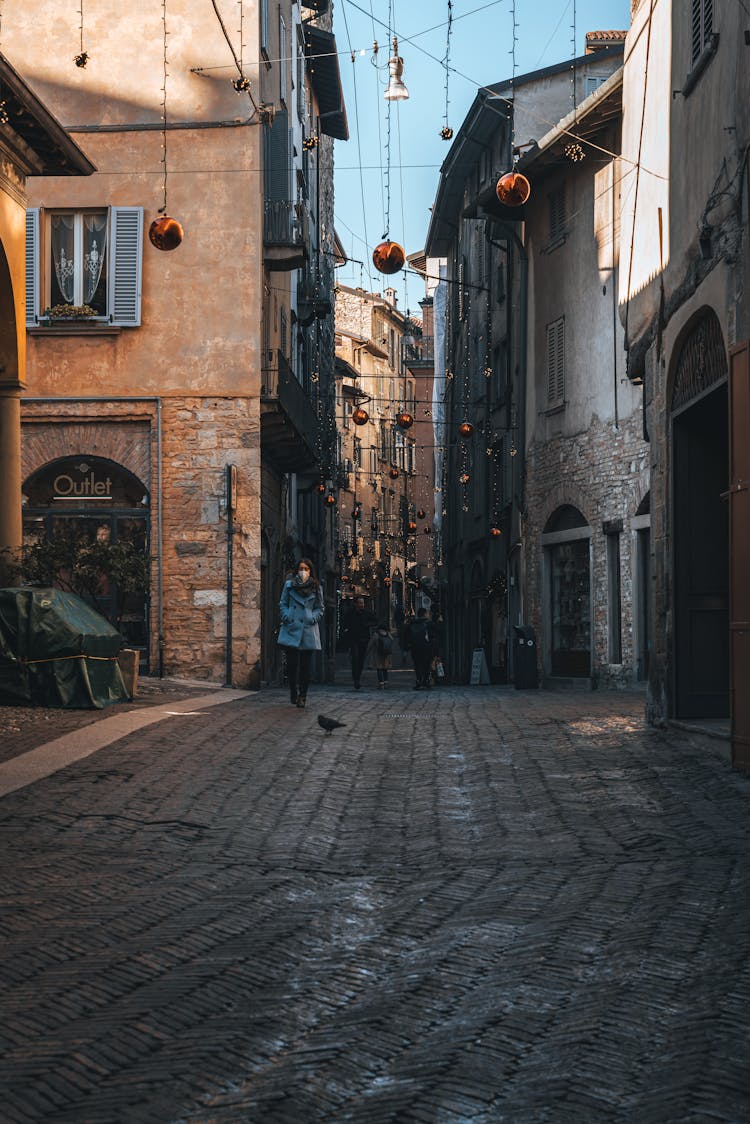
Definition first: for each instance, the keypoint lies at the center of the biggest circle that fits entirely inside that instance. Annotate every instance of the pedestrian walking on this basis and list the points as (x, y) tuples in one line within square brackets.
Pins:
[(301, 608), (380, 653), (357, 628), (420, 638), (438, 635)]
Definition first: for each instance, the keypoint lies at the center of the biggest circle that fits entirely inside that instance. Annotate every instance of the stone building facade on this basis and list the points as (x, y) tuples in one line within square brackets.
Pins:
[(586, 492), (154, 419), (684, 280)]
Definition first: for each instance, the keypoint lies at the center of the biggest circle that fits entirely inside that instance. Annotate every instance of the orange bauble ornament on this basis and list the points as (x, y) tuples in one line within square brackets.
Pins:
[(465, 429), (165, 233), (404, 420), (495, 532), (388, 257), (513, 189), (360, 416), (393, 473)]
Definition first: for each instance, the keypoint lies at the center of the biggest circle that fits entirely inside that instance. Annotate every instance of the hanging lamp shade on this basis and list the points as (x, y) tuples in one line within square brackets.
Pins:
[(360, 416), (405, 420), (465, 429), (165, 233), (388, 257), (396, 90), (513, 189)]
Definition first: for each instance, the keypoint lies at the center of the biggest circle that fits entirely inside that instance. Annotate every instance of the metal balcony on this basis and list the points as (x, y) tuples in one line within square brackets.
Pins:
[(288, 421), (285, 235)]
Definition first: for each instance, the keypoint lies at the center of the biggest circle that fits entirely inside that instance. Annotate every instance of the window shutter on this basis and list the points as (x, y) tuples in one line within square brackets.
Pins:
[(560, 361), (556, 362), (125, 255), (32, 266), (278, 161)]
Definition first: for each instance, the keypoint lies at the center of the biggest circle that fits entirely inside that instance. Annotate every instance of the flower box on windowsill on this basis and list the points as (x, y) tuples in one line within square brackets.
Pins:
[(73, 325)]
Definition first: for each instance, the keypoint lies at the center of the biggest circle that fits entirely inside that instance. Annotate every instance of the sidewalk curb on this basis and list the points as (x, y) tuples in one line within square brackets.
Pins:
[(49, 758)]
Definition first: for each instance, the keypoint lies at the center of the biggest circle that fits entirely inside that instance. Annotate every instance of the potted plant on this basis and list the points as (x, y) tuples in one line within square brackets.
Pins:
[(67, 313)]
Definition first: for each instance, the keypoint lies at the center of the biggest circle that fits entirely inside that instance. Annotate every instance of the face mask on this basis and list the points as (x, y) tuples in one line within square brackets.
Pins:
[(303, 573)]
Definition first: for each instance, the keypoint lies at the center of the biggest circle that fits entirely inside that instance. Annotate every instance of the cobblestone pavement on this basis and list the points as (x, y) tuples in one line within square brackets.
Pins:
[(472, 904)]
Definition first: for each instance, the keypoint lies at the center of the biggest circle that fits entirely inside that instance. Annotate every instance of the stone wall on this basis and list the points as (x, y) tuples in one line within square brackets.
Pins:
[(200, 436), (603, 472)]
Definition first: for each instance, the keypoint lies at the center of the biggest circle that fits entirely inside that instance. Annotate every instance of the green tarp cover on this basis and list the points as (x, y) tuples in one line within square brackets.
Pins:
[(55, 650)]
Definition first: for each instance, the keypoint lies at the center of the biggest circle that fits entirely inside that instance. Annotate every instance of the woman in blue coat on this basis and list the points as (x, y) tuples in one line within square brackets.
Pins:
[(301, 608)]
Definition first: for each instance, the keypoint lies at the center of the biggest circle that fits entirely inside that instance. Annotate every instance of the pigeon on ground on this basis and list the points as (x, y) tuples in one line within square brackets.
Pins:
[(329, 724)]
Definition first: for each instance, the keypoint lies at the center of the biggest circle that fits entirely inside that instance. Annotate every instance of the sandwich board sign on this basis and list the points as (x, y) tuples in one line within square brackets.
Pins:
[(479, 673)]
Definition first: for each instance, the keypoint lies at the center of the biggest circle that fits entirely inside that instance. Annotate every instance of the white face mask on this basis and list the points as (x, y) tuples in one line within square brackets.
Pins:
[(304, 573)]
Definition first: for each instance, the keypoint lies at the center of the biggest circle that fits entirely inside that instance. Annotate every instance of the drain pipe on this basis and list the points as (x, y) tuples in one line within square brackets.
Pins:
[(159, 482)]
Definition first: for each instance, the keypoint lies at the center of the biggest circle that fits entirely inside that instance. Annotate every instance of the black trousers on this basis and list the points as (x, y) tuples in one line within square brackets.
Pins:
[(358, 650), (298, 669), (422, 663)]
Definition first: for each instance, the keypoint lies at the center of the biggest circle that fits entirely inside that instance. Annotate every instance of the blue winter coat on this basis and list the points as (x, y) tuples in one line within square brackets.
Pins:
[(301, 609)]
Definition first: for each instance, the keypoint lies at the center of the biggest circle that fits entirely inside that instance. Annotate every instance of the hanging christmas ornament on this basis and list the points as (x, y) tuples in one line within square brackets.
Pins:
[(386, 581), (495, 532), (393, 473), (321, 487), (421, 513), (360, 416), (465, 429), (165, 233), (81, 59), (464, 478), (513, 189), (412, 526), (330, 499), (404, 420), (345, 578), (388, 257), (446, 132)]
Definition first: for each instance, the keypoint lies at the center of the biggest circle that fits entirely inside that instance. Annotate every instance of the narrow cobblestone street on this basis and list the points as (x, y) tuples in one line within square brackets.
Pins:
[(472, 904)]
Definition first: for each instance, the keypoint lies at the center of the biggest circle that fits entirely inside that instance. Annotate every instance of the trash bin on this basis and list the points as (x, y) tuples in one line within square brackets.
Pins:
[(524, 652)]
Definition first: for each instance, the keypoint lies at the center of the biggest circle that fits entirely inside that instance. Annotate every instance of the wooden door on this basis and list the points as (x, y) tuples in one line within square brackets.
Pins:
[(701, 570)]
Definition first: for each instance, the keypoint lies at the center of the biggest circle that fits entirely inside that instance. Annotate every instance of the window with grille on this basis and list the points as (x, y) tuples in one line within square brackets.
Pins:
[(703, 18), (557, 214), (556, 363)]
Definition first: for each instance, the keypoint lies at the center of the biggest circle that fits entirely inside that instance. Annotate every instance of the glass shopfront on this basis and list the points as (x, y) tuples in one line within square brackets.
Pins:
[(91, 499)]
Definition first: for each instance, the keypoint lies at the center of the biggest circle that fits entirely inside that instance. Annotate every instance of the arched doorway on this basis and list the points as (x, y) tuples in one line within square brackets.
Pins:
[(700, 481), (566, 544), (94, 499)]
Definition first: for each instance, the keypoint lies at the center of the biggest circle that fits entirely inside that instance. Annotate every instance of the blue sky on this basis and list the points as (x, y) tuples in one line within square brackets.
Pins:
[(481, 52)]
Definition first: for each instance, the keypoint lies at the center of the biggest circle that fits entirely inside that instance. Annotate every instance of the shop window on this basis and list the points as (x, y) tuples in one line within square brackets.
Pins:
[(88, 257)]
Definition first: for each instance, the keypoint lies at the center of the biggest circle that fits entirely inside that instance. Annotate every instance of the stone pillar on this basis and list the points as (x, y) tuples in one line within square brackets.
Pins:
[(10, 477)]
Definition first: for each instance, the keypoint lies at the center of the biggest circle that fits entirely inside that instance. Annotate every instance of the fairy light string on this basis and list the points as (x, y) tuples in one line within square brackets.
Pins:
[(165, 73)]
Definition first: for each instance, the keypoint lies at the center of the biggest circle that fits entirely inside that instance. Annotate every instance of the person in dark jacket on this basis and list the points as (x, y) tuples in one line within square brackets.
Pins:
[(358, 628), (301, 607), (420, 643)]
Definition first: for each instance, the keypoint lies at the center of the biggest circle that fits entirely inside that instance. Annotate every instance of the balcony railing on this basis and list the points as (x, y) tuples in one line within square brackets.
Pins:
[(420, 351), (285, 234), (289, 420)]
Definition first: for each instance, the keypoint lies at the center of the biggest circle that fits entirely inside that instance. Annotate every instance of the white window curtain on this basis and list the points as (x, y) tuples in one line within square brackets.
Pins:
[(63, 254), (94, 251)]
